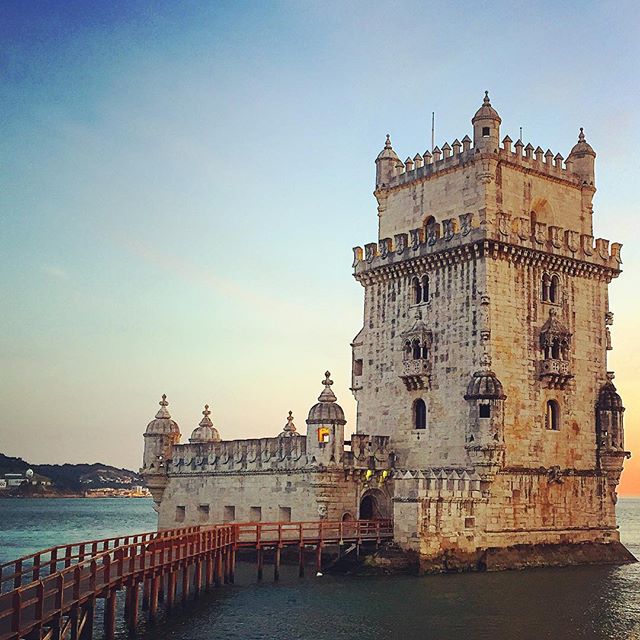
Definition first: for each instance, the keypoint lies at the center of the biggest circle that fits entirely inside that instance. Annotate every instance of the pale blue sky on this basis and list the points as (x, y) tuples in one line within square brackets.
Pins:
[(182, 183)]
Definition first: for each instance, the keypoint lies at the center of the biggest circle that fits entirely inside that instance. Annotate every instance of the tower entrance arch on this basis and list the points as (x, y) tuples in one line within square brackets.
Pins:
[(375, 505)]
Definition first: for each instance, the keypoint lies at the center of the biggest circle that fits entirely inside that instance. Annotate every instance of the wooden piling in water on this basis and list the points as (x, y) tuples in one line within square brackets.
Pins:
[(110, 615)]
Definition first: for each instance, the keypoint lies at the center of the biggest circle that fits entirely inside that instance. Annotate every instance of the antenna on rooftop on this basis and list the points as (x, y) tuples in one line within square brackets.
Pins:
[(520, 133), (433, 130)]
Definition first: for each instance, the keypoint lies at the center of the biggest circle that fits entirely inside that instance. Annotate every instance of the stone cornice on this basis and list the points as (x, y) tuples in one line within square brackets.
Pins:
[(416, 265)]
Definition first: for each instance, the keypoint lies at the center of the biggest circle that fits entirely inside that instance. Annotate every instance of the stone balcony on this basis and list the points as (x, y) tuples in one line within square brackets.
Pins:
[(555, 372), (416, 374)]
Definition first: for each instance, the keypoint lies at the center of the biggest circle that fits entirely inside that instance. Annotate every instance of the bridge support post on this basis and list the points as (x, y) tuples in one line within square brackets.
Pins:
[(145, 595), (218, 568), (185, 584), (208, 572), (153, 602), (225, 556), (86, 631), (132, 612), (171, 589), (276, 564), (260, 561), (232, 565), (110, 615), (301, 561), (198, 578)]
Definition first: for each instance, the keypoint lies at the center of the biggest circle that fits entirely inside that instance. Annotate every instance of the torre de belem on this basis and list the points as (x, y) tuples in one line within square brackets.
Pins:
[(488, 427)]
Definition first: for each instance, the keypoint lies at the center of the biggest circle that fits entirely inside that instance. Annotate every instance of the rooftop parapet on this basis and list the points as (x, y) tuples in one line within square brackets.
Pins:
[(440, 238), (578, 169), (450, 157), (272, 454)]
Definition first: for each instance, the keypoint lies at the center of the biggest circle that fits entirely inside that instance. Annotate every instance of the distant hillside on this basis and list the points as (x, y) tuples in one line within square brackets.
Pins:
[(74, 477)]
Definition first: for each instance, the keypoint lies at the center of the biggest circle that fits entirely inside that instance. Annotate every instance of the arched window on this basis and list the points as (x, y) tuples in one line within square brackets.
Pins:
[(429, 220), (417, 291), (554, 289), (425, 352), (407, 350), (425, 288), (552, 419), (546, 284), (420, 414), (416, 349), (556, 353)]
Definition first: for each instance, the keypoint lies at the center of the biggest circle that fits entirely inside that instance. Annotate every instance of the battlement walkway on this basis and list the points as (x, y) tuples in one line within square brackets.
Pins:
[(51, 595)]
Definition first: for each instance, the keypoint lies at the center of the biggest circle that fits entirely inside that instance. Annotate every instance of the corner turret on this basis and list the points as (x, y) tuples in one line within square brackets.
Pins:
[(486, 127), (386, 164), (582, 160), (325, 427), (161, 434)]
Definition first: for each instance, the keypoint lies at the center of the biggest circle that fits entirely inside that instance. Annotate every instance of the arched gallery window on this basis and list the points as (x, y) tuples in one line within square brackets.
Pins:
[(420, 414), (420, 289), (417, 291), (551, 288)]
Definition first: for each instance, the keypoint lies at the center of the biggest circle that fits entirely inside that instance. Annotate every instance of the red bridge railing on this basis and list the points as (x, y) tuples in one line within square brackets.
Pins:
[(53, 601)]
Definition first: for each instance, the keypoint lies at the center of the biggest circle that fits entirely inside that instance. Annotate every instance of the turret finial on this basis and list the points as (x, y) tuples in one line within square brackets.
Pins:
[(206, 411), (327, 382), (387, 144), (290, 427), (581, 137), (163, 402), (486, 98)]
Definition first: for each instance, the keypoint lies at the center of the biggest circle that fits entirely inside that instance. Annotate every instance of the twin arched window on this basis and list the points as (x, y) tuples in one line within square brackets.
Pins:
[(552, 418), (416, 350), (550, 288), (419, 414), (420, 288)]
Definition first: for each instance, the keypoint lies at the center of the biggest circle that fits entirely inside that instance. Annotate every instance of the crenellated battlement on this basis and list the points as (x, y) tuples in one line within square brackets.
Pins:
[(461, 153), (467, 229), (272, 454), (440, 482)]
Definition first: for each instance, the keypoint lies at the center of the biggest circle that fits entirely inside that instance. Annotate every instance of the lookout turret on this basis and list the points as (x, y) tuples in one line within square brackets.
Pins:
[(582, 160), (386, 164), (486, 126), (325, 427)]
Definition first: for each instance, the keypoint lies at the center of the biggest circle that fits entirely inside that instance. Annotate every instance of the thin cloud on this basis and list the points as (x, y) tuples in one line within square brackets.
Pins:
[(55, 272)]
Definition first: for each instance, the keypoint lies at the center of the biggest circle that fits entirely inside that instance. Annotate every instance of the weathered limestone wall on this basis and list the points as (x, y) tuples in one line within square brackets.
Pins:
[(444, 195), (385, 405), (444, 517), (517, 316), (274, 493), (520, 191)]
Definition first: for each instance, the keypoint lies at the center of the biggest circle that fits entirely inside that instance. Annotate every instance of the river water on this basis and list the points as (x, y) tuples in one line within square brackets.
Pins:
[(570, 603)]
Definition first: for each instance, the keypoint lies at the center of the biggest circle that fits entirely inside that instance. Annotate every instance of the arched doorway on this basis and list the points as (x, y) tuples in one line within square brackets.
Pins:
[(375, 505)]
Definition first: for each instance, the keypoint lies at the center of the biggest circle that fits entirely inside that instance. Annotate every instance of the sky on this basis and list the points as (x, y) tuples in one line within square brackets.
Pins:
[(181, 185)]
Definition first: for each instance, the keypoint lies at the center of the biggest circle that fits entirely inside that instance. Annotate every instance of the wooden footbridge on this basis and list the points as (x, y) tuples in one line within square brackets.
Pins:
[(51, 595)]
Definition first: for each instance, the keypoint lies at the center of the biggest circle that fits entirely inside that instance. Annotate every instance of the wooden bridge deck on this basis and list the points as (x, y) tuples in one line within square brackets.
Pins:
[(51, 594)]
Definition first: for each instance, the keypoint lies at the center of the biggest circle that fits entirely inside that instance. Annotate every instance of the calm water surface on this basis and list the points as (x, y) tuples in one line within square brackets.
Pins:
[(572, 603)]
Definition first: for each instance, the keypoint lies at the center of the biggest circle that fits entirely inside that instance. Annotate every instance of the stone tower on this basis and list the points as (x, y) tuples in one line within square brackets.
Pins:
[(483, 354)]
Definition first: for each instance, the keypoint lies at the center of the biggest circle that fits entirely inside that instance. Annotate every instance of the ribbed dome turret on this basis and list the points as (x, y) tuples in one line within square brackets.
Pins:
[(387, 152), (205, 431), (162, 424), (608, 399), (484, 385), (327, 410), (486, 111), (582, 147)]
